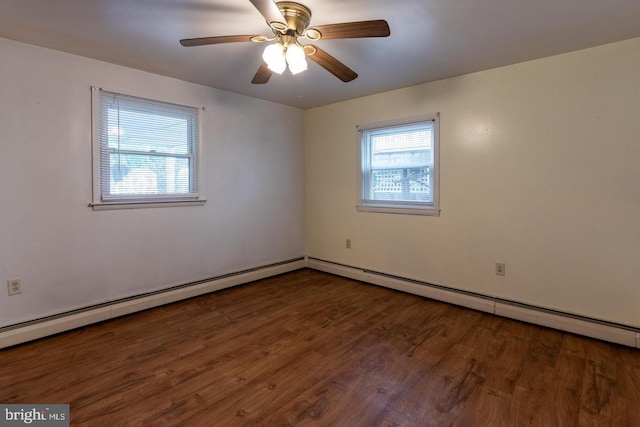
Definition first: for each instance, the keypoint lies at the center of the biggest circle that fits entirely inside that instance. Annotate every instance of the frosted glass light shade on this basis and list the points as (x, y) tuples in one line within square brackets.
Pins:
[(274, 57), (296, 59)]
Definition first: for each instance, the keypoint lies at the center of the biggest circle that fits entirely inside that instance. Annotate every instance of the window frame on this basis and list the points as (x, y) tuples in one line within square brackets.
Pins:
[(110, 202), (399, 206)]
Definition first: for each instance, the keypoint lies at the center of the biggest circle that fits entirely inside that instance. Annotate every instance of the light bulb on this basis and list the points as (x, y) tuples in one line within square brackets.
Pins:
[(274, 57), (296, 59)]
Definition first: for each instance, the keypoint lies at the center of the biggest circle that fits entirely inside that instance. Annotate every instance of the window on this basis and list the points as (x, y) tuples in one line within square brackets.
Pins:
[(146, 153), (399, 166)]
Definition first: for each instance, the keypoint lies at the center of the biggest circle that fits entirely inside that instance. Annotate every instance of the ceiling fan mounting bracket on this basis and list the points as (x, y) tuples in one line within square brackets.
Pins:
[(296, 15), (288, 39)]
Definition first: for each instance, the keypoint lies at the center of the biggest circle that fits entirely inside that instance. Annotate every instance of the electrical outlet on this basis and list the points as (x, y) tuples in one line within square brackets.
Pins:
[(500, 268), (14, 286), (348, 243)]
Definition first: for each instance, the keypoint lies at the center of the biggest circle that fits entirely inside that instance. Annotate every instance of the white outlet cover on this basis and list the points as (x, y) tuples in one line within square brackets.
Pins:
[(14, 286)]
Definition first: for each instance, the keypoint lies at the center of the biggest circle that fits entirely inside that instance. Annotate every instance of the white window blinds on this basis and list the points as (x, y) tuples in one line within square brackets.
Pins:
[(148, 150)]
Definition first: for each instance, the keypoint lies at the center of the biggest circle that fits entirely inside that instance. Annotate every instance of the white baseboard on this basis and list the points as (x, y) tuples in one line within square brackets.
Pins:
[(65, 322), (569, 323), (412, 287), (565, 322)]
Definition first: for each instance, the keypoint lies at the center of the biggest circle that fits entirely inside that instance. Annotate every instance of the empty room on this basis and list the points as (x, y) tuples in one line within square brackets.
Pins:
[(319, 213)]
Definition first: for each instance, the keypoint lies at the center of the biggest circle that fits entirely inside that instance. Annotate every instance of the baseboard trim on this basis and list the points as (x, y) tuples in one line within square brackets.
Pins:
[(606, 331), (40, 328), (51, 325)]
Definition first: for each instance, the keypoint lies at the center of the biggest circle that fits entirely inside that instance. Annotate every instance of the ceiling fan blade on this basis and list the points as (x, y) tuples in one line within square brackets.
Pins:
[(351, 30), (269, 10), (200, 41), (332, 65), (262, 75)]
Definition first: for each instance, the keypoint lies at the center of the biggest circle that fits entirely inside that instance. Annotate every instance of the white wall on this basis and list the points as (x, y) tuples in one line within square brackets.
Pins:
[(69, 256), (540, 169)]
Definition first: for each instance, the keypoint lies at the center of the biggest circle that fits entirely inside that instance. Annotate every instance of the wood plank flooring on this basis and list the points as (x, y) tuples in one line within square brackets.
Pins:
[(312, 349)]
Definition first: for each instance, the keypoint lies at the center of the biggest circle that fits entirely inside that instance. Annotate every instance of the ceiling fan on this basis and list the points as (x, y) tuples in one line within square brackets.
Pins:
[(289, 22)]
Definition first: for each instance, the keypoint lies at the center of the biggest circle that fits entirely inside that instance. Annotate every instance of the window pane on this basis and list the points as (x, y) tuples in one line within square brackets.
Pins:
[(147, 148), (401, 140), (139, 131), (139, 174), (399, 166), (401, 184), (400, 162)]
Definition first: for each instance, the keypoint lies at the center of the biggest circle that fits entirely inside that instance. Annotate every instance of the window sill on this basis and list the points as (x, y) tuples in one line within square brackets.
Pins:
[(403, 210), (107, 206)]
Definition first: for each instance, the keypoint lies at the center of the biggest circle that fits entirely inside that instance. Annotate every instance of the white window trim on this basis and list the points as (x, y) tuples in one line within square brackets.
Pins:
[(406, 208), (137, 202)]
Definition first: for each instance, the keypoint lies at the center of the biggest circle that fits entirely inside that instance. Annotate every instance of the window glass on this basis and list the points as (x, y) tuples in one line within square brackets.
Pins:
[(399, 167), (146, 150)]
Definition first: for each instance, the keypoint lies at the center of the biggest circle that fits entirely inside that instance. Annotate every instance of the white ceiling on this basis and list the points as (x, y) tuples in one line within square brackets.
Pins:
[(430, 39)]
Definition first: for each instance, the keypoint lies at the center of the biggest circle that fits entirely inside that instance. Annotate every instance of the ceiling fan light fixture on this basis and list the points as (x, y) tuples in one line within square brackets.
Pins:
[(289, 21), (273, 55), (296, 59)]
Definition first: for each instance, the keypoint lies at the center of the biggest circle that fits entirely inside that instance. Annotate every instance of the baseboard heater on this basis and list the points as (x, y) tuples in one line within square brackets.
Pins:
[(61, 322), (594, 328)]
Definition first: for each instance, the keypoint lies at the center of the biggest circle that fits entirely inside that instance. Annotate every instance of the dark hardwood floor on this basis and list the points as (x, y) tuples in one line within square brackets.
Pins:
[(309, 348)]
